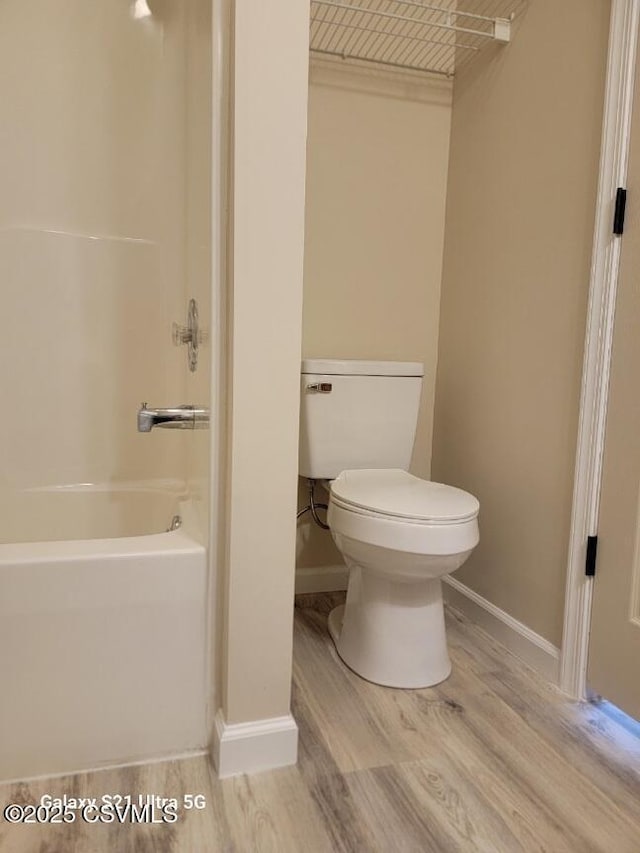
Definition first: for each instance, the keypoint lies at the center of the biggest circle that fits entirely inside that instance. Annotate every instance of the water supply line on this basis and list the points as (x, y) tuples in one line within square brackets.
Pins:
[(313, 507)]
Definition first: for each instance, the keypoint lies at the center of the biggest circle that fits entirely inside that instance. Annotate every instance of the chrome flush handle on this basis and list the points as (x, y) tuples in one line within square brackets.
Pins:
[(320, 388)]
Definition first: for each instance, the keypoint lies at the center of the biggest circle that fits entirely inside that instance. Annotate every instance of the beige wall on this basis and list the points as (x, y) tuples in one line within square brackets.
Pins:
[(92, 238), (520, 209), (377, 159), (376, 185), (265, 315)]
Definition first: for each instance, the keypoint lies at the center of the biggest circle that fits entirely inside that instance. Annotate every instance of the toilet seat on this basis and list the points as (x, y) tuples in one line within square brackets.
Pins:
[(394, 494), (367, 506)]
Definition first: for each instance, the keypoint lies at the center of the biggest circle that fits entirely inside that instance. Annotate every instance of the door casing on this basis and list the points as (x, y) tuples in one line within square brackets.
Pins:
[(614, 156)]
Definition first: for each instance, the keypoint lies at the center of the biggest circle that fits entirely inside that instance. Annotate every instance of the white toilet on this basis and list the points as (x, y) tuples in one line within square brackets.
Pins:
[(398, 534)]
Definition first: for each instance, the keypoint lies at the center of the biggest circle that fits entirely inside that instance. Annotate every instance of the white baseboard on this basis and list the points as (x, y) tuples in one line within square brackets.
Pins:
[(255, 746), (321, 579), (530, 647)]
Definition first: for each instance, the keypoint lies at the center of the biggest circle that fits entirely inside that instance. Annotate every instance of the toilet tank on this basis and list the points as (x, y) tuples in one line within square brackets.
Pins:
[(357, 414)]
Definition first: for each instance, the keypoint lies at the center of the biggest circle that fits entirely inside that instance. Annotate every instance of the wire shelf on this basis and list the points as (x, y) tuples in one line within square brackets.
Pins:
[(436, 37)]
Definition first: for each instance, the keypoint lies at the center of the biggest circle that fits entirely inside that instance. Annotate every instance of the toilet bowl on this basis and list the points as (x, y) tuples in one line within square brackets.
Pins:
[(398, 535)]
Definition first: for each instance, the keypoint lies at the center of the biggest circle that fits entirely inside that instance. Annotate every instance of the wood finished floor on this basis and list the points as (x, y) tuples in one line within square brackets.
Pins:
[(492, 760)]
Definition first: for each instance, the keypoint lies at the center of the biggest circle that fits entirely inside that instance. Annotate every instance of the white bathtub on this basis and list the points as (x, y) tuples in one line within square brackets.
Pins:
[(102, 631)]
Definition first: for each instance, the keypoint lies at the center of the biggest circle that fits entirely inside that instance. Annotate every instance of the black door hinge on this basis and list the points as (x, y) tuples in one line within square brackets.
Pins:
[(618, 214), (590, 562)]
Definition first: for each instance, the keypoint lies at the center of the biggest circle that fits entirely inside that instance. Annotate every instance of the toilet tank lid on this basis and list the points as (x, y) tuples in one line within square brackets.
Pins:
[(355, 367)]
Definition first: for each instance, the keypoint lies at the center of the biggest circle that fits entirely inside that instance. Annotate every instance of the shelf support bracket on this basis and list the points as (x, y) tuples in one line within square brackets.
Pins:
[(502, 30)]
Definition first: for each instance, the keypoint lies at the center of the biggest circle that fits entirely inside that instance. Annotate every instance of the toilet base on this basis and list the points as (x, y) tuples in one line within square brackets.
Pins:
[(392, 633)]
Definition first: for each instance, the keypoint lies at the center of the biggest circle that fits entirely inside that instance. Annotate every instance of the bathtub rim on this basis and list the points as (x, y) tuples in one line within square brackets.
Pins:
[(184, 539), (175, 541)]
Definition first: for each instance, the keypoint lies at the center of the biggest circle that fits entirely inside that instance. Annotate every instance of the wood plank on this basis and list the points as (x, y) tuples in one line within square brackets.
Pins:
[(494, 759), (327, 785), (464, 727), (196, 829), (586, 737), (575, 800), (274, 813)]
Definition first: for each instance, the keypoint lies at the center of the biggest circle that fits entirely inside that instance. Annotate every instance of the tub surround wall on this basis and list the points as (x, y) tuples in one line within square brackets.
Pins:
[(377, 159), (265, 310), (520, 208), (92, 237), (76, 370)]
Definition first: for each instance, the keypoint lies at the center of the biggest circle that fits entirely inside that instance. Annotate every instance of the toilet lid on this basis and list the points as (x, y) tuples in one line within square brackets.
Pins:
[(396, 493)]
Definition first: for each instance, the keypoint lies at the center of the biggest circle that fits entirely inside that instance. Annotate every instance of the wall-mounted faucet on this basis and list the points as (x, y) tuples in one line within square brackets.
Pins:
[(178, 417)]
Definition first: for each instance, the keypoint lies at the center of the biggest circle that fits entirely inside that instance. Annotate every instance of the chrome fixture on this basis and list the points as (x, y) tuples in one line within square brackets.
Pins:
[(141, 10), (313, 507), (179, 417), (176, 523), (320, 388), (191, 335)]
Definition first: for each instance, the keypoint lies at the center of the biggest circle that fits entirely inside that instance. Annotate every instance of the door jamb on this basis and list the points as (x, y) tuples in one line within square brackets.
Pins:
[(614, 156)]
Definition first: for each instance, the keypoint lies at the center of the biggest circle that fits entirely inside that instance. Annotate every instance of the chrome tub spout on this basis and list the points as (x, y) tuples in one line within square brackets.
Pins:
[(178, 417)]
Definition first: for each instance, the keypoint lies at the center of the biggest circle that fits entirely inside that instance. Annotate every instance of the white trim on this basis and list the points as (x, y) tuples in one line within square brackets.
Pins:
[(388, 82), (519, 639), (599, 334), (255, 746), (220, 36), (321, 579)]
